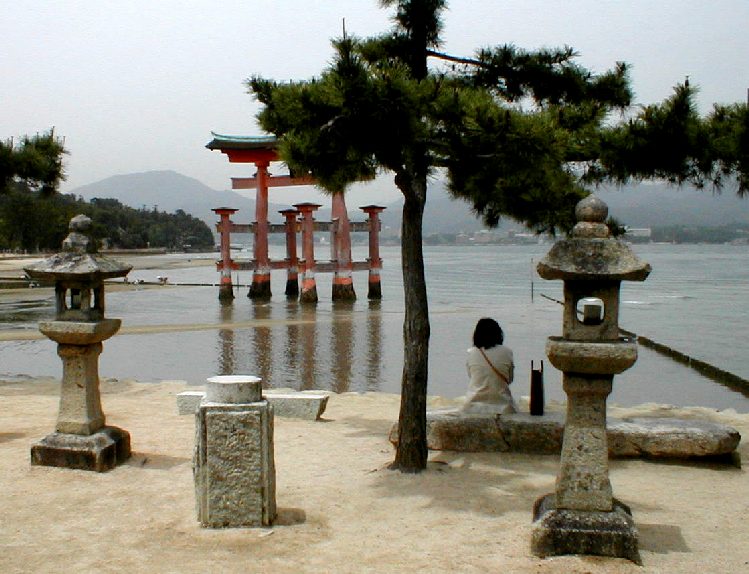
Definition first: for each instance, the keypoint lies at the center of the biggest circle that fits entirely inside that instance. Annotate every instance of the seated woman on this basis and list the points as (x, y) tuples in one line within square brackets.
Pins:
[(490, 369)]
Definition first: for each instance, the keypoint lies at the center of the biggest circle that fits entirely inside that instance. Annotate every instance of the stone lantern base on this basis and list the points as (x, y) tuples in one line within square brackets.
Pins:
[(100, 451), (559, 531)]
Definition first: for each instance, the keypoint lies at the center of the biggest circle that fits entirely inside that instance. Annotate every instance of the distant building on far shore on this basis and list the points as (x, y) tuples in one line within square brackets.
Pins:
[(638, 235)]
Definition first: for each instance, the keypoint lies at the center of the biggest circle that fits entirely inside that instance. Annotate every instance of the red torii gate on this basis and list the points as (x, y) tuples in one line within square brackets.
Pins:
[(261, 150)]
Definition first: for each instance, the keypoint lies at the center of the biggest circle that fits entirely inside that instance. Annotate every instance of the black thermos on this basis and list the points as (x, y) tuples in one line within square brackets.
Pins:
[(537, 390)]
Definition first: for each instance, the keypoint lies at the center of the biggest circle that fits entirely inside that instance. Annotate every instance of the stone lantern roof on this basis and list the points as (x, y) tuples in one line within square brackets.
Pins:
[(591, 254), (78, 260)]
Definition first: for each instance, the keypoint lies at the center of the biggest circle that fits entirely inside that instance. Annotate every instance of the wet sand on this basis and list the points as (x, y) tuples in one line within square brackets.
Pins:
[(12, 265)]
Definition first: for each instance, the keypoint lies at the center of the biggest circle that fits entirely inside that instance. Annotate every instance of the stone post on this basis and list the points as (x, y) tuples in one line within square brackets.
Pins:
[(233, 465), (582, 516)]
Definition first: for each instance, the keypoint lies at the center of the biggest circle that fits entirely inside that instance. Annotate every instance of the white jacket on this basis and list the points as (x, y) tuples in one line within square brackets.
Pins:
[(487, 392)]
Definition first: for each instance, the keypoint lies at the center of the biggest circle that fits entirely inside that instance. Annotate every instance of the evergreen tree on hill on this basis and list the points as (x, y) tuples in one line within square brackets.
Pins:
[(32, 164), (519, 134), (34, 217)]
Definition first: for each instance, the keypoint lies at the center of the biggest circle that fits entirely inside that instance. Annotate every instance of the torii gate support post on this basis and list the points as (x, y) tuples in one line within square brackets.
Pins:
[(292, 272), (226, 265), (343, 284), (260, 288), (375, 262), (309, 286)]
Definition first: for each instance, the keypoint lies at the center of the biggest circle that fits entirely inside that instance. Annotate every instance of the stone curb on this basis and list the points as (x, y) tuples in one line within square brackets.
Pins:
[(640, 437), (295, 404)]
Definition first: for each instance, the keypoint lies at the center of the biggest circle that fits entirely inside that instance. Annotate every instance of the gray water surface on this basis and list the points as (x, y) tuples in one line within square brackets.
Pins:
[(696, 300)]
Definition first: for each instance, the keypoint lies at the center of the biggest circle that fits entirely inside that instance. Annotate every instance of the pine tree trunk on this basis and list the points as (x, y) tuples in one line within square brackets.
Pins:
[(411, 452)]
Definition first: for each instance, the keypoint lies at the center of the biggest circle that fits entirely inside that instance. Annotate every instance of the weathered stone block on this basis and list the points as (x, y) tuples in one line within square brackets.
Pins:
[(233, 467), (558, 531), (308, 406), (670, 438), (233, 389), (100, 451), (300, 405), (79, 332), (591, 357), (644, 437), (189, 401)]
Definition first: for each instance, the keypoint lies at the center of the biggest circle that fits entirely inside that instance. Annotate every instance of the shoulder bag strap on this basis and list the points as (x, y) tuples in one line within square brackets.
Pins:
[(496, 372)]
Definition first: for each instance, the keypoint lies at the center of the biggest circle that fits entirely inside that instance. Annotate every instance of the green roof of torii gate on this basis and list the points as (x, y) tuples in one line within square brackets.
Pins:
[(225, 142)]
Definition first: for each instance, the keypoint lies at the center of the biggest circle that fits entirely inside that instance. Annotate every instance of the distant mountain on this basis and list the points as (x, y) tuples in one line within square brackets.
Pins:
[(169, 191), (644, 205), (658, 204)]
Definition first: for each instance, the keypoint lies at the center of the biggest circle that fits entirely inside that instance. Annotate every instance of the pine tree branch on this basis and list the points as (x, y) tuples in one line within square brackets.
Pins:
[(456, 59)]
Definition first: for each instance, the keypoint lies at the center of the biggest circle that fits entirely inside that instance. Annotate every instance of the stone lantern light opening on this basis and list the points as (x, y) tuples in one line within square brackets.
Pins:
[(81, 439), (582, 516)]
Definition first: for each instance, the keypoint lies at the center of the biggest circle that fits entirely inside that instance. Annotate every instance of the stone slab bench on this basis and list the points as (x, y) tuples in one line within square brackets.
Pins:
[(292, 404), (641, 437)]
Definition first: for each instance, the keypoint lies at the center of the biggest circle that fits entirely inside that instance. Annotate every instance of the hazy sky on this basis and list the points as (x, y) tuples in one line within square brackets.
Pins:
[(139, 85)]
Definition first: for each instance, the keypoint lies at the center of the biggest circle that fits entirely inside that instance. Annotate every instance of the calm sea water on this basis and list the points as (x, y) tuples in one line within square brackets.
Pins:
[(696, 300)]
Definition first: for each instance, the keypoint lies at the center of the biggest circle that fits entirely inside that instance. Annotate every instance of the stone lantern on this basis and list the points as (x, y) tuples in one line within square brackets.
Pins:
[(81, 438), (582, 516)]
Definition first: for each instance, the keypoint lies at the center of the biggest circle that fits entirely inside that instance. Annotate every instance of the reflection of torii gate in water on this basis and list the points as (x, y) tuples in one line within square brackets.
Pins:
[(261, 151)]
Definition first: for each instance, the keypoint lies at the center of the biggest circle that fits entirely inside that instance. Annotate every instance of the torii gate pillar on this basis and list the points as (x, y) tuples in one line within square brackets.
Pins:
[(309, 286), (375, 262), (226, 265), (340, 245), (292, 273), (260, 288)]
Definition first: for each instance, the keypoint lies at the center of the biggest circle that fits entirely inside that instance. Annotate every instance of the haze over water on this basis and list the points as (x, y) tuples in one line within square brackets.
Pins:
[(696, 300)]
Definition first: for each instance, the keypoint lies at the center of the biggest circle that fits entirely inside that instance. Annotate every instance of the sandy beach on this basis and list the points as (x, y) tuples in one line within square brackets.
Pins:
[(340, 508)]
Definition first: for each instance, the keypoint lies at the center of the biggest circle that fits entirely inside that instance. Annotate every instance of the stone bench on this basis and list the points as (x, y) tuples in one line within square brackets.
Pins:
[(291, 404), (642, 437)]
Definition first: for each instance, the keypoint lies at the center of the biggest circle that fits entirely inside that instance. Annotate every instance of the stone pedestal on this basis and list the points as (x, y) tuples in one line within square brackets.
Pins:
[(583, 479), (582, 516), (233, 466), (99, 451), (80, 399), (560, 531), (81, 440)]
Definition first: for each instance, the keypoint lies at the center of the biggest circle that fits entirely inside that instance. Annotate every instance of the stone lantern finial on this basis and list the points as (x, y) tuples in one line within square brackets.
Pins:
[(78, 240), (591, 214)]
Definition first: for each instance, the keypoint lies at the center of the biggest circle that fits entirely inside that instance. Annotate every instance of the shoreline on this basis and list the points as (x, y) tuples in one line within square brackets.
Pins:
[(340, 509)]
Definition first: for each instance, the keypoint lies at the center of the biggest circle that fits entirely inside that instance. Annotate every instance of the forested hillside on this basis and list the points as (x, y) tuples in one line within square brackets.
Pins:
[(32, 221)]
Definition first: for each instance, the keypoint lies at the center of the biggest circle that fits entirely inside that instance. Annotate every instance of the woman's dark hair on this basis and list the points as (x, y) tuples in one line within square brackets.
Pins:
[(487, 334)]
